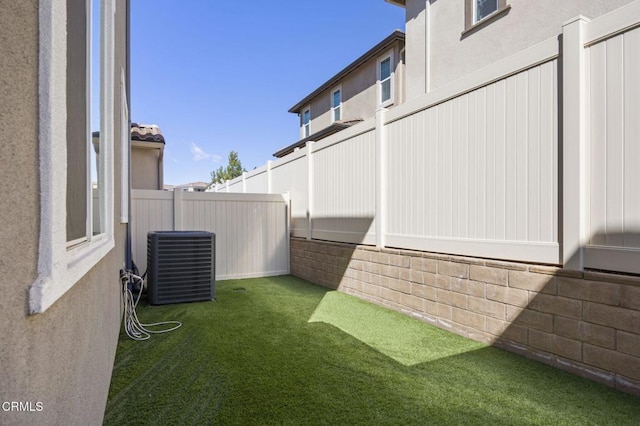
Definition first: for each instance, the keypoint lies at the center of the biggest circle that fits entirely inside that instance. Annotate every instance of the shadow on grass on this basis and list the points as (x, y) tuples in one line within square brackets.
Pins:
[(253, 357), (403, 339)]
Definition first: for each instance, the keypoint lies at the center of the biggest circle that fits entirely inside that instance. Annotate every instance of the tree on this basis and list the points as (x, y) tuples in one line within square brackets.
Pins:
[(233, 170)]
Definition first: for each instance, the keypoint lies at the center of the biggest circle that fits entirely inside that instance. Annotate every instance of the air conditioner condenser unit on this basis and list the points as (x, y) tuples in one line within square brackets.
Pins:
[(181, 266)]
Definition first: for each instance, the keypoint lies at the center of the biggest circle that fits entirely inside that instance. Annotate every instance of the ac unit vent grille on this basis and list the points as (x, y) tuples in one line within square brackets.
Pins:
[(181, 266)]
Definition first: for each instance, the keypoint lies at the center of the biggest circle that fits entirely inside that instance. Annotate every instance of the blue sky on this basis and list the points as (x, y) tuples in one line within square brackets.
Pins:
[(218, 76)]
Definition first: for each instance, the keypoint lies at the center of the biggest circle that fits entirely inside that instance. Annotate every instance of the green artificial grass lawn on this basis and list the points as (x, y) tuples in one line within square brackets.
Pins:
[(283, 351)]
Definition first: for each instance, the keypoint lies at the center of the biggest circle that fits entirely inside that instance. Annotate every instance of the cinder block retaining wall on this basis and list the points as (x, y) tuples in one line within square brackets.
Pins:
[(587, 323)]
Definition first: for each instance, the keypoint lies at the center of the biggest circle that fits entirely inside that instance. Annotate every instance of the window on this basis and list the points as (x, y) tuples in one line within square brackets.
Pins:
[(478, 11), (76, 226), (306, 120), (385, 80), (336, 104), (483, 8), (84, 195)]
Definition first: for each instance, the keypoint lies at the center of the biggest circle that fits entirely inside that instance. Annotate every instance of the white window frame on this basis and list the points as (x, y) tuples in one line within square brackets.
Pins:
[(475, 11), (471, 7), (60, 267), (125, 149), (381, 104), (305, 128), (334, 107)]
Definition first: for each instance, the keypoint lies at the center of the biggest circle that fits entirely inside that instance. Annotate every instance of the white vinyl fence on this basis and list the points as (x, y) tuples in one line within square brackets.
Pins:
[(252, 230), (612, 139), (484, 166)]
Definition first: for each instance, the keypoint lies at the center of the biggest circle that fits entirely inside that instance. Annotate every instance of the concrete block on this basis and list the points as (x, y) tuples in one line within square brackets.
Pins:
[(444, 311), (399, 285), (586, 332), (612, 316), (488, 274), (557, 305), (390, 271), (534, 282), (508, 295), (557, 345), (505, 330), (444, 296), (412, 302), (443, 282), (592, 291), (399, 261), (453, 269), (424, 264), (628, 343), (487, 307), (528, 318), (458, 300), (613, 361), (630, 296), (459, 285), (470, 319), (425, 292)]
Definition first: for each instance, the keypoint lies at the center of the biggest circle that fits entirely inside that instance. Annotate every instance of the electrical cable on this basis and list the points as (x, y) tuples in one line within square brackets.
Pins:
[(132, 325)]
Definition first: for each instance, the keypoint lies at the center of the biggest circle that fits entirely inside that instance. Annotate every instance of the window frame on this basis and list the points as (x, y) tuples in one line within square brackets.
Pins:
[(387, 55), (125, 149), (470, 22), (61, 266), (334, 107), (305, 128)]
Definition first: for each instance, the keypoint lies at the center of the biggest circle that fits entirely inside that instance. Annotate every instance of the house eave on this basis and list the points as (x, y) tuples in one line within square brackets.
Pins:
[(401, 3), (147, 144), (319, 135)]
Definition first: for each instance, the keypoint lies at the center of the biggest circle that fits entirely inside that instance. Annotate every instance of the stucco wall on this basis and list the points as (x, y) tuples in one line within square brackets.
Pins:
[(146, 168), (453, 55), (61, 358), (359, 93)]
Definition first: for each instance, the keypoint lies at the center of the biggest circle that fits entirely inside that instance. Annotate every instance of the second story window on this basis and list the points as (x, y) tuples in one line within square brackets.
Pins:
[(385, 80), (306, 119), (483, 8), (478, 12), (336, 104)]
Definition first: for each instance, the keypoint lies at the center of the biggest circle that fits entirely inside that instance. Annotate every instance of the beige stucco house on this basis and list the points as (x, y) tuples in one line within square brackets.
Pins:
[(372, 81), (64, 207), (147, 156), (447, 40)]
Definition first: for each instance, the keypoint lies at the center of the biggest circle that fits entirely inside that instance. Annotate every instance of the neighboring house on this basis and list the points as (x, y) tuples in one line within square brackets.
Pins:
[(372, 81), (147, 152), (192, 187), (62, 249), (447, 40)]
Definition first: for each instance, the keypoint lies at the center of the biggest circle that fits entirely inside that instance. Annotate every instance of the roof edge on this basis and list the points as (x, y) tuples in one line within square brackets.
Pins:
[(394, 36), (401, 3), (319, 135)]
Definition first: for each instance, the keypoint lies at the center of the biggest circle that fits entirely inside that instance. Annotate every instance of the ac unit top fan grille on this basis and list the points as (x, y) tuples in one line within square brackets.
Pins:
[(181, 266)]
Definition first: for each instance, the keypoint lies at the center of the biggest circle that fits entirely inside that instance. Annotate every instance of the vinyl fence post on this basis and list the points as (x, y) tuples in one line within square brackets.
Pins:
[(177, 210), (381, 178), (287, 213), (574, 143), (309, 189)]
